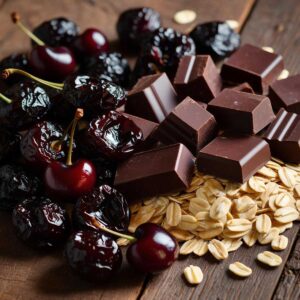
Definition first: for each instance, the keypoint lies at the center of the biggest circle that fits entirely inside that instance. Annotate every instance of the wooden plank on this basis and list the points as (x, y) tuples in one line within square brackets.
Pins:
[(104, 14)]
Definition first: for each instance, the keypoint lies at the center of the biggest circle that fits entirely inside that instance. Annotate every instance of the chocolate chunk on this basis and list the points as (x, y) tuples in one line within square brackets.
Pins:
[(243, 87), (153, 98), (197, 77), (233, 158), (190, 124), (158, 171), (253, 65), (283, 136), (286, 93), (241, 112)]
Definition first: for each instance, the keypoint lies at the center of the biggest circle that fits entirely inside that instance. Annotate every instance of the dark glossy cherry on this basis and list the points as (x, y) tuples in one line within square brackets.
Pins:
[(40, 222), (93, 95), (217, 39), (106, 205), (18, 61), (16, 184), (57, 32), (105, 169), (110, 67), (154, 251), (112, 135), (93, 255), (67, 183), (30, 104), (37, 145), (91, 42), (135, 24), (9, 145), (162, 52), (53, 63)]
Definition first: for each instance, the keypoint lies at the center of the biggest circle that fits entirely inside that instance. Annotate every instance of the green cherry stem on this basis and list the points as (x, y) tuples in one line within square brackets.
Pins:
[(98, 225), (4, 98), (15, 17), (78, 116), (7, 72)]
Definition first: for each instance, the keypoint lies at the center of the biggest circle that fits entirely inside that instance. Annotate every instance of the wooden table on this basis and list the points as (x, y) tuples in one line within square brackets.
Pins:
[(27, 274)]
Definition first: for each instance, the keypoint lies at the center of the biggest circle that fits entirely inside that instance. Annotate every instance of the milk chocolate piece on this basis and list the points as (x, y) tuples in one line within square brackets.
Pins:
[(286, 93), (283, 136), (240, 112), (153, 98), (197, 77), (253, 65), (190, 124), (158, 171), (233, 158), (243, 87)]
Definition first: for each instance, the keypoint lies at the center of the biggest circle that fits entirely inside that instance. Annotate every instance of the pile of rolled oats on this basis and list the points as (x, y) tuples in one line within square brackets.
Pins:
[(219, 216)]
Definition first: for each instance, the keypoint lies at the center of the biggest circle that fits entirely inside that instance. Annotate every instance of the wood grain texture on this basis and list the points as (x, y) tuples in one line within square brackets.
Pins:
[(103, 14), (276, 23)]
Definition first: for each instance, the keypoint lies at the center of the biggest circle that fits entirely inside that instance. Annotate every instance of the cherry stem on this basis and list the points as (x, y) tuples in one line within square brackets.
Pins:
[(4, 98), (78, 116), (7, 72), (56, 145), (15, 17), (98, 225)]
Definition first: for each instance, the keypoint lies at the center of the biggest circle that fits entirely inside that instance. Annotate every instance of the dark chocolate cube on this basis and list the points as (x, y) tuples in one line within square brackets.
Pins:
[(253, 65), (190, 124), (233, 158), (286, 93), (153, 98), (240, 112), (198, 78), (283, 136)]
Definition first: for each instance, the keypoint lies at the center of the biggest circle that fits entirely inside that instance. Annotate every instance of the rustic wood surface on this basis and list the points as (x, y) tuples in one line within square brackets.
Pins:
[(27, 274)]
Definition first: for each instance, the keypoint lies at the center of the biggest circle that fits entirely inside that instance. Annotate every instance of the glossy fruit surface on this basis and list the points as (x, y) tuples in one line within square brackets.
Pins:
[(57, 32), (18, 61), (112, 135), (93, 255), (154, 251), (9, 145), (162, 52), (52, 63), (67, 183), (106, 205), (110, 67), (91, 42), (217, 39), (40, 222), (105, 169), (37, 145), (30, 103), (135, 24), (16, 184)]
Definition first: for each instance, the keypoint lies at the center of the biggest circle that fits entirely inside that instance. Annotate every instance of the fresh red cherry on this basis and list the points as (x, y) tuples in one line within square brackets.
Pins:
[(152, 248), (91, 42), (70, 181), (48, 62)]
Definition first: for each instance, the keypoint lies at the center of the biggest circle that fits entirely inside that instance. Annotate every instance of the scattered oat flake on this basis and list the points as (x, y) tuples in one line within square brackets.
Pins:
[(263, 223), (193, 274), (201, 247), (217, 249), (173, 214), (287, 176), (240, 269), (269, 258), (280, 243)]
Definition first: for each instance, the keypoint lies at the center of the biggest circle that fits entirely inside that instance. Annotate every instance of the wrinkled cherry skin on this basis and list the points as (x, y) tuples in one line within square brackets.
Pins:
[(106, 170), (112, 135), (217, 39), (91, 42), (57, 32), (162, 52), (135, 24), (106, 205), (67, 183), (30, 104), (154, 251), (36, 145), (95, 256), (41, 223), (93, 95), (16, 184), (18, 61), (52, 63)]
